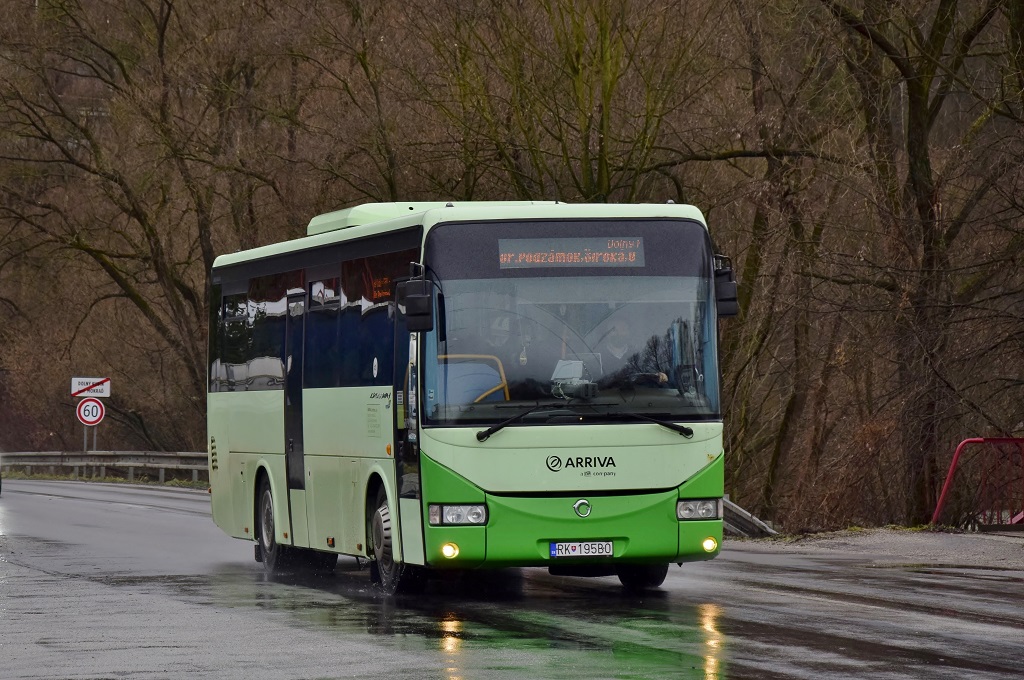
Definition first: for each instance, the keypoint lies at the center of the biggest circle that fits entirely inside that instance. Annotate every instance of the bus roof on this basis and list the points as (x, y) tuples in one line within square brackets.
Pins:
[(372, 219), (378, 212)]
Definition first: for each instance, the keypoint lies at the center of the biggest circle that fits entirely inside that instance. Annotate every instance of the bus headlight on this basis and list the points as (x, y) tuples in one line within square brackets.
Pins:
[(703, 509), (457, 514)]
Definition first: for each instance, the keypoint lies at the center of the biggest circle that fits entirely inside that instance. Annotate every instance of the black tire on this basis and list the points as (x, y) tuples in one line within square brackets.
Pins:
[(388, 575), (640, 577), (276, 558)]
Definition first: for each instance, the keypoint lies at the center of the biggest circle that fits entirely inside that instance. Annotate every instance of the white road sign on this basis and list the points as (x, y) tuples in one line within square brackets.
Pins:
[(90, 387), (91, 411)]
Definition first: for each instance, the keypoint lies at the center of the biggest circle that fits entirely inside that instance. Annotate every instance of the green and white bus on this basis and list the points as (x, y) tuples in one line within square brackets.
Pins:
[(467, 386)]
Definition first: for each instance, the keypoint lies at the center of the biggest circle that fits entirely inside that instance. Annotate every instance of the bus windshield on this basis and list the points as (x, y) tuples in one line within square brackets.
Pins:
[(579, 321)]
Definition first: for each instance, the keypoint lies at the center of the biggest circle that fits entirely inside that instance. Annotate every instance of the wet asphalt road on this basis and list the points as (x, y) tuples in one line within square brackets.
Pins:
[(104, 581)]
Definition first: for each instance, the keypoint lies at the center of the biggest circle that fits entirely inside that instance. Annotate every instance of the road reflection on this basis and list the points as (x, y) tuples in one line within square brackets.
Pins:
[(523, 622), (451, 643), (709, 614)]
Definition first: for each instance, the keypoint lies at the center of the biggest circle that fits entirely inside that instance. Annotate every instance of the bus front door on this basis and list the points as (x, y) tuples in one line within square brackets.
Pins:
[(407, 452)]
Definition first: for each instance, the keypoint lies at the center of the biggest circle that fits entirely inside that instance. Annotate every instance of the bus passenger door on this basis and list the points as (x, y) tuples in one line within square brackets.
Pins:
[(293, 393), (407, 452)]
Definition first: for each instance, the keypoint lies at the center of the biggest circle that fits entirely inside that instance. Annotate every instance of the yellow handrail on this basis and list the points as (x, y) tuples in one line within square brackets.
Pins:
[(485, 357)]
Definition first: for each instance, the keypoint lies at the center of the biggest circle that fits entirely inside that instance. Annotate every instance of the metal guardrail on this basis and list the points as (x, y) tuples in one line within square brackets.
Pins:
[(739, 522), (95, 463)]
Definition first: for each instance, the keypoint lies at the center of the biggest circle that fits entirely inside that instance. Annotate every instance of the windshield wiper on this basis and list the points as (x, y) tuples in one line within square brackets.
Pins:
[(681, 429), (482, 435)]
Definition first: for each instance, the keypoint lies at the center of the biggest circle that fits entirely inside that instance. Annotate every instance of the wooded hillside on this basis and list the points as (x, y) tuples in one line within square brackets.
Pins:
[(860, 161)]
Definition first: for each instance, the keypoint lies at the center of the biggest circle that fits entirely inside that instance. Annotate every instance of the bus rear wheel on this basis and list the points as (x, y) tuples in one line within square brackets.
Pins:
[(275, 557), (640, 577), (389, 575)]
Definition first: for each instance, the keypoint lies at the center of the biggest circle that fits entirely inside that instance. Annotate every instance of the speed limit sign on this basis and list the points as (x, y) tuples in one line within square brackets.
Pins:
[(90, 411)]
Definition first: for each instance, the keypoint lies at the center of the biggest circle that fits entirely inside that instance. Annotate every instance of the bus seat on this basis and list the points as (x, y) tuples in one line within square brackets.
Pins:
[(470, 380)]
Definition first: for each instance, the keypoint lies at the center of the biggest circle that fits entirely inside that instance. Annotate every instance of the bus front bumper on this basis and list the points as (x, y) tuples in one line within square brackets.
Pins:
[(575, 530)]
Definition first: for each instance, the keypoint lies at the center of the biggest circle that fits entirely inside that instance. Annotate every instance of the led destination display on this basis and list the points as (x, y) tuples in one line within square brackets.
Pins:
[(526, 253)]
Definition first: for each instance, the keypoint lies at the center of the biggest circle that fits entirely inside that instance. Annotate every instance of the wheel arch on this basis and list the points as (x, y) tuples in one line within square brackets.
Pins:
[(254, 506), (374, 483), (378, 479), (282, 516)]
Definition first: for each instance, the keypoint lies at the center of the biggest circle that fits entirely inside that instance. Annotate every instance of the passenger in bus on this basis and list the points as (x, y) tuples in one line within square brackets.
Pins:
[(526, 361), (473, 366), (492, 341), (503, 340)]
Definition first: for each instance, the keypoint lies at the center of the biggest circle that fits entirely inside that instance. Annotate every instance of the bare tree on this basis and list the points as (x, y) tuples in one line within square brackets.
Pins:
[(137, 141), (944, 137), (565, 99)]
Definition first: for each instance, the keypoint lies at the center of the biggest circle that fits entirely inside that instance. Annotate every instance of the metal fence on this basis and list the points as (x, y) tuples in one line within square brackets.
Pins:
[(989, 494), (127, 464)]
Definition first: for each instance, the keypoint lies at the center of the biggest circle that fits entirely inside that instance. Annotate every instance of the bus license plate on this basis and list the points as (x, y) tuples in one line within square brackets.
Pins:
[(582, 549)]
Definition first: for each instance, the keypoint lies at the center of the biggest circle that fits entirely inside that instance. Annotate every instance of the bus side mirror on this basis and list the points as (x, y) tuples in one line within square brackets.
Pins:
[(725, 288), (419, 306)]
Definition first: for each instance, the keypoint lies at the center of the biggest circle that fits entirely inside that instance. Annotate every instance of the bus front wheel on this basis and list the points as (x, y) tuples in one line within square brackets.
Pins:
[(639, 577), (275, 557), (386, 573)]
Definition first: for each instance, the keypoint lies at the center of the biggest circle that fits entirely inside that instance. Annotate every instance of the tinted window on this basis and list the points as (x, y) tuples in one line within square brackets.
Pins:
[(323, 334), (253, 328), (237, 339), (367, 326)]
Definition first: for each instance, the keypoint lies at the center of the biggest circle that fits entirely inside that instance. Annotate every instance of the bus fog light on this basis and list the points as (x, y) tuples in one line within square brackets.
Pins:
[(450, 550), (710, 544)]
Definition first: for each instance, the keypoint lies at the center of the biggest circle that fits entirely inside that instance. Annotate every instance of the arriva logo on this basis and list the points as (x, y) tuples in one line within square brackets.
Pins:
[(555, 463)]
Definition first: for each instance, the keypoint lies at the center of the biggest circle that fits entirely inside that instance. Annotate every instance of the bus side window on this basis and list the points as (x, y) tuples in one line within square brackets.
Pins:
[(367, 318), (267, 312), (323, 334), (237, 340)]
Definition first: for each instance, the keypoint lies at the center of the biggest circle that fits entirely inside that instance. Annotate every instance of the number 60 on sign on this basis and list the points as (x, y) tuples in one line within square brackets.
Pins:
[(90, 411)]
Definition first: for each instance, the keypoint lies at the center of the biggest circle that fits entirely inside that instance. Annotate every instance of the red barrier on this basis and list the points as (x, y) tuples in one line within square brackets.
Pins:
[(952, 470)]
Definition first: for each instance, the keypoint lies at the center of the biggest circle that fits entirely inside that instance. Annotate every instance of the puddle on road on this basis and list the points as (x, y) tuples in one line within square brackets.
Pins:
[(482, 623)]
